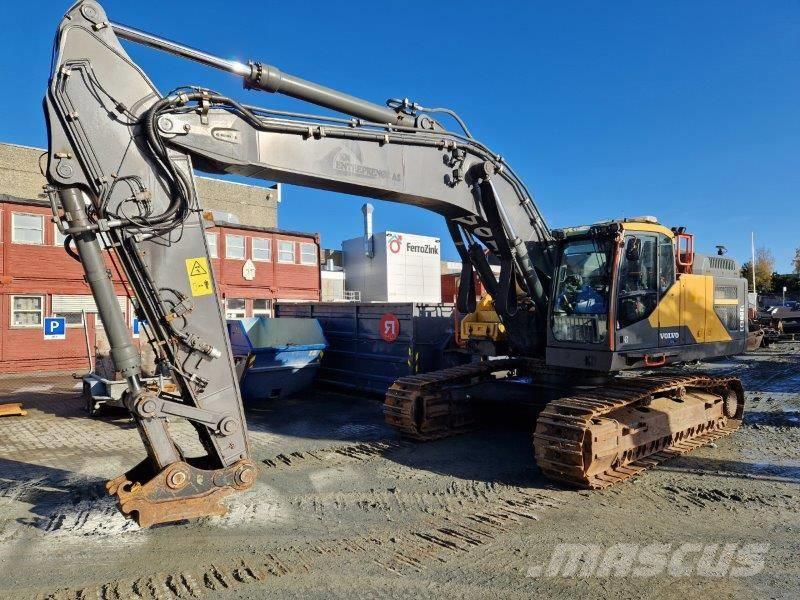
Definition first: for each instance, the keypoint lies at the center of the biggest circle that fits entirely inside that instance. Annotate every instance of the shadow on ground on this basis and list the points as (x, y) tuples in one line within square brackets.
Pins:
[(46, 489)]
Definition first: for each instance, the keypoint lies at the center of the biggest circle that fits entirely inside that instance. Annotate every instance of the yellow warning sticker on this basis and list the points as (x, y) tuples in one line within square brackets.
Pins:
[(199, 276)]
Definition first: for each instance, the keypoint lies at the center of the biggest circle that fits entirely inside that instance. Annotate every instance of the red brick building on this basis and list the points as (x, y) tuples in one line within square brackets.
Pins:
[(254, 267)]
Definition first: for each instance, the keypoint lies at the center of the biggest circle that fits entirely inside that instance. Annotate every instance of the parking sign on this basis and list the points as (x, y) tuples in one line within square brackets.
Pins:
[(136, 327), (55, 328)]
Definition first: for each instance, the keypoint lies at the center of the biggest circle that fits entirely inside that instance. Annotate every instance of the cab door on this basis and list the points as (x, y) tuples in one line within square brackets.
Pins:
[(670, 314), (637, 292)]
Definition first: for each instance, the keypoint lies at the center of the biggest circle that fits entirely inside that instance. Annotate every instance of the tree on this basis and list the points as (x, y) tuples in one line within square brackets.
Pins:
[(791, 282), (796, 262), (765, 266)]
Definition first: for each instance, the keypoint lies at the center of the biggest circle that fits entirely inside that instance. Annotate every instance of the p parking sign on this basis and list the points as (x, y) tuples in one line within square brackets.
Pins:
[(55, 328), (136, 327)]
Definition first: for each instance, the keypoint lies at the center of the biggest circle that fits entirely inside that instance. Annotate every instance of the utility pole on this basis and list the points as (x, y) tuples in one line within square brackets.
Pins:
[(753, 260)]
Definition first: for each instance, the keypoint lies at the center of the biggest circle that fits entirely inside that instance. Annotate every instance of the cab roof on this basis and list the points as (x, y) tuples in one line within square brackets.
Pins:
[(644, 223), (652, 226)]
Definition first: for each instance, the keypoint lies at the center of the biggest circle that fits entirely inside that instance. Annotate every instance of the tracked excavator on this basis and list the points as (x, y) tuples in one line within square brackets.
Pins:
[(589, 314)]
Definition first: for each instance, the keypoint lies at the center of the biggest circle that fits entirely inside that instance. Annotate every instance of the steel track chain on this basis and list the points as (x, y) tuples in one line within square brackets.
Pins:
[(562, 439), (417, 408)]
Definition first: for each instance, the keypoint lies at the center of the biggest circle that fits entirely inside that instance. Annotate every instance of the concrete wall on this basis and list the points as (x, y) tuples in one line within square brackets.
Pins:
[(254, 205)]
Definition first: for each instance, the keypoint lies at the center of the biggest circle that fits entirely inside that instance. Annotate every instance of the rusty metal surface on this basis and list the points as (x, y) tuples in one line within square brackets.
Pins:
[(589, 439), (178, 492), (609, 434), (754, 339), (417, 408), (13, 409)]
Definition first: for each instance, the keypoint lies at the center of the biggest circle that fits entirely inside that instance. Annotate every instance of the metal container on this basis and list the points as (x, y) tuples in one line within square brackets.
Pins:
[(275, 358), (370, 345)]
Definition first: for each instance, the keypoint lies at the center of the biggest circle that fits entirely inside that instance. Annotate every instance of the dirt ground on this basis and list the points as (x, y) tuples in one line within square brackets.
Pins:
[(344, 508)]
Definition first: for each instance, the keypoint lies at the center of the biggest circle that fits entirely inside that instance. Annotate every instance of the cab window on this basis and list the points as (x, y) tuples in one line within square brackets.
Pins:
[(666, 264), (580, 312), (638, 277)]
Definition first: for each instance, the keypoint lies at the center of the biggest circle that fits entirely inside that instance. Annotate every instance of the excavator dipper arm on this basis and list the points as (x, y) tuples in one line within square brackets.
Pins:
[(120, 169)]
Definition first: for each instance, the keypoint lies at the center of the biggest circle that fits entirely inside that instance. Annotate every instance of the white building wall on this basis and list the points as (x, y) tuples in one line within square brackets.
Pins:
[(332, 286), (405, 268), (413, 267)]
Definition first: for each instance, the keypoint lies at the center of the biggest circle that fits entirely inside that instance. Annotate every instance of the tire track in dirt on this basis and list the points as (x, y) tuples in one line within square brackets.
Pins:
[(731, 497), (336, 455), (180, 585), (455, 498), (455, 535), (409, 549)]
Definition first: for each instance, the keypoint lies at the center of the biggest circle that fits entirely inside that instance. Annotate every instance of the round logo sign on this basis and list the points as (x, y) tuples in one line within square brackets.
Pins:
[(395, 243), (389, 327)]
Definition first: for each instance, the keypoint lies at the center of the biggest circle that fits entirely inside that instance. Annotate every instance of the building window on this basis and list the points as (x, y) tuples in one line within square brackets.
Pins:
[(308, 254), (211, 240), (234, 308), (58, 237), (27, 229), (262, 249), (285, 251), (73, 319), (234, 247), (27, 311), (262, 307)]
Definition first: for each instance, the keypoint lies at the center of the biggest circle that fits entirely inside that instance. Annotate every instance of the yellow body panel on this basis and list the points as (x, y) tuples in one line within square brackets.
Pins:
[(650, 227), (668, 313), (689, 303)]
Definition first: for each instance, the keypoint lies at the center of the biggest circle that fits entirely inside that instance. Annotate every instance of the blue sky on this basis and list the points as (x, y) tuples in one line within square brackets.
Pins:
[(686, 110)]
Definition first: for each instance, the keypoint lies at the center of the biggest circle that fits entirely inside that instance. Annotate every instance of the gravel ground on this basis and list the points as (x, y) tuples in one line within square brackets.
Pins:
[(344, 508)]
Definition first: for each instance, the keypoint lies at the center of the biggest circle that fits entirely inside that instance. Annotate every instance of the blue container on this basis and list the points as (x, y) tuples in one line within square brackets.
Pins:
[(276, 357), (360, 356)]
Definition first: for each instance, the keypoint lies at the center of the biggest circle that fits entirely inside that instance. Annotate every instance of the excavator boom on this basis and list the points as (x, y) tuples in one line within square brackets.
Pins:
[(120, 169)]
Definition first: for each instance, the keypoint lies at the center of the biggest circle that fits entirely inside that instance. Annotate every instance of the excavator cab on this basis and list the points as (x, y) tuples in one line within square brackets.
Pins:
[(626, 296)]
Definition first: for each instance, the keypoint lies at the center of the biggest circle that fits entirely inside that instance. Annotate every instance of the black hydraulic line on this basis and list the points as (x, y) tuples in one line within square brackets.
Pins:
[(505, 302), (520, 252), (484, 269), (465, 301), (68, 248)]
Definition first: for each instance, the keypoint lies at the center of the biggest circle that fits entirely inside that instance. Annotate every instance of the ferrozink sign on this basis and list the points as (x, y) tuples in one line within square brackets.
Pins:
[(411, 244)]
